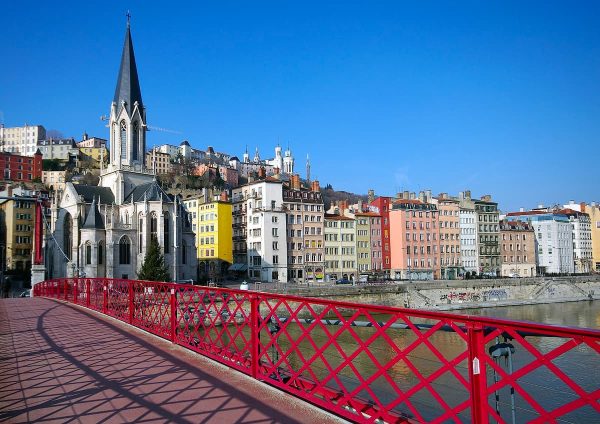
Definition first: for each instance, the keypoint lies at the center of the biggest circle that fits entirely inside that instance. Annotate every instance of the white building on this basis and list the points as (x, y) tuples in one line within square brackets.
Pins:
[(104, 230), (58, 148), (283, 163), (266, 230), (582, 239), (553, 239), (22, 140), (468, 233)]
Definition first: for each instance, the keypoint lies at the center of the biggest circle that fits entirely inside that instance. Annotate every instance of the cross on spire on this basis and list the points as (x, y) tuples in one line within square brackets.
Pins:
[(128, 18)]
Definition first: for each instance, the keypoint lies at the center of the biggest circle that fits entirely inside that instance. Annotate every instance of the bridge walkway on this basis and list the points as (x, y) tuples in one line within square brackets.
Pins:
[(62, 363)]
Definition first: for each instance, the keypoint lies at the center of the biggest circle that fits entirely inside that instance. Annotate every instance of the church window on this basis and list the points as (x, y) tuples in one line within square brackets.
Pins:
[(88, 254), (124, 251), (68, 236), (123, 139), (140, 233), (100, 253), (167, 234), (153, 226), (136, 140)]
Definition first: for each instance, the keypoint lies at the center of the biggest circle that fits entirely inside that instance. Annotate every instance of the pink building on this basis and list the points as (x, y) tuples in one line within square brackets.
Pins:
[(414, 238), (229, 175)]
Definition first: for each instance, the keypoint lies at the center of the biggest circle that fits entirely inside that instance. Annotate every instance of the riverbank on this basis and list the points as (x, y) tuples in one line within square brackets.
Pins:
[(452, 295)]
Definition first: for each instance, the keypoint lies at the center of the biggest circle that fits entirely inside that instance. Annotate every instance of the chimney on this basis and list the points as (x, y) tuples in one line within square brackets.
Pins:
[(521, 209), (315, 186), (295, 182), (223, 196), (582, 206), (571, 202), (468, 194), (262, 172), (371, 196), (405, 195), (541, 206), (422, 196), (428, 195), (9, 190), (413, 196), (276, 171), (399, 195)]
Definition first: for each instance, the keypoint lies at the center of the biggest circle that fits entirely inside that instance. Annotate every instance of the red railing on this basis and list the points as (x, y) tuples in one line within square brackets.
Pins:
[(367, 363)]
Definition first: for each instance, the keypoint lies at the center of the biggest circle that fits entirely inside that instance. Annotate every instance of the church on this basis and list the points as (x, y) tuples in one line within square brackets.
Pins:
[(104, 230)]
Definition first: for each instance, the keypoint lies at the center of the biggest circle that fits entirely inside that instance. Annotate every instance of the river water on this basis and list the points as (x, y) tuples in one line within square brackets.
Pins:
[(581, 364)]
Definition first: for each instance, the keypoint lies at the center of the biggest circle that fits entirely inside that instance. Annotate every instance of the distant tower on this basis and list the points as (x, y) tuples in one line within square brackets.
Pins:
[(256, 156), (307, 168), (246, 155), (278, 161), (288, 161), (127, 113)]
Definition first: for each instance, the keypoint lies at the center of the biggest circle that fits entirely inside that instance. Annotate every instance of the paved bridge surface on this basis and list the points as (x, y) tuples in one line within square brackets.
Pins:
[(61, 363)]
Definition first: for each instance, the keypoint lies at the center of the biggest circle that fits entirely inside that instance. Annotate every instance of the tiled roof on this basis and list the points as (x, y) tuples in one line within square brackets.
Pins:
[(149, 191), (335, 217)]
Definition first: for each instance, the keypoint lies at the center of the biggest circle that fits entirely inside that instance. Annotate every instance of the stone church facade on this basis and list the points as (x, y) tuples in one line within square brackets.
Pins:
[(104, 230)]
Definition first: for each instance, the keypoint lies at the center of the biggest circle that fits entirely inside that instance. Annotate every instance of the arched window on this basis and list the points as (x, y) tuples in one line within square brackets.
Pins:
[(123, 139), (167, 233), (125, 251), (140, 231), (153, 226), (100, 253), (135, 141), (68, 235), (88, 253)]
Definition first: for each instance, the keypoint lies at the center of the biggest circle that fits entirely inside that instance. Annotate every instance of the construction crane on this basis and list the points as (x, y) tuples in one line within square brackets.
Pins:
[(149, 127)]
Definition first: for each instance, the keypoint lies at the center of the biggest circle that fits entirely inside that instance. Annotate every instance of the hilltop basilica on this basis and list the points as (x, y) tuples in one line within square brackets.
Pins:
[(104, 230)]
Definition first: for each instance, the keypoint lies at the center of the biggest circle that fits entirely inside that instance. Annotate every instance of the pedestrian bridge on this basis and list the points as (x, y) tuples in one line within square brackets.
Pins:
[(361, 363)]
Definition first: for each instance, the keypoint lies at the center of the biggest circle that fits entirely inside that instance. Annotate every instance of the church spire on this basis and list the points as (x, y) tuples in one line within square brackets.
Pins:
[(128, 85)]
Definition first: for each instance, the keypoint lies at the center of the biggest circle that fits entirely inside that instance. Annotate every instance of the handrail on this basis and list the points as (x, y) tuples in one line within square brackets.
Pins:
[(363, 362)]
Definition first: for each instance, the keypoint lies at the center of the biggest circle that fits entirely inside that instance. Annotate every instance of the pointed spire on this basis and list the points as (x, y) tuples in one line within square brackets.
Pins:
[(93, 219), (128, 85)]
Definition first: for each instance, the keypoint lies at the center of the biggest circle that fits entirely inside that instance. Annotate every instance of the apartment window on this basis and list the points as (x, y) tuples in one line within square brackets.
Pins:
[(275, 245)]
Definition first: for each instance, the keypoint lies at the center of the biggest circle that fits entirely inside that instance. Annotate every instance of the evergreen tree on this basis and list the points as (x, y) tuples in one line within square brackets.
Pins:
[(154, 268)]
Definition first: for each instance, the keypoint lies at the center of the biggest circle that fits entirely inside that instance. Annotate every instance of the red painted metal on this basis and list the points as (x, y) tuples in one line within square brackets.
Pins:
[(395, 365)]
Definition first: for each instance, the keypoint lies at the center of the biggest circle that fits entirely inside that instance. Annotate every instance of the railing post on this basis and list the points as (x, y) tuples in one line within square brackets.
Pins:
[(131, 296), (254, 335), (75, 291), (66, 288), (173, 313), (477, 373), (87, 293), (105, 301)]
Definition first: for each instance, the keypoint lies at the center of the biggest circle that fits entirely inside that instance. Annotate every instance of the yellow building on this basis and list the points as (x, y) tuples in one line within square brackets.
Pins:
[(16, 233), (593, 211), (211, 222), (94, 154)]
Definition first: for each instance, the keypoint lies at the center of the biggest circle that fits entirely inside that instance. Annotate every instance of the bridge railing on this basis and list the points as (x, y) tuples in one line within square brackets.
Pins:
[(364, 362)]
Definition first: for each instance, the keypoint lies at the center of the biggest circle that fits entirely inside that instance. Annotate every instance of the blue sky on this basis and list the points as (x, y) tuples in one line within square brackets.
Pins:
[(496, 97)]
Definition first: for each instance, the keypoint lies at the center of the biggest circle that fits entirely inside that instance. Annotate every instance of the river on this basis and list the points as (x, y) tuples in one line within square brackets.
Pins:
[(580, 364)]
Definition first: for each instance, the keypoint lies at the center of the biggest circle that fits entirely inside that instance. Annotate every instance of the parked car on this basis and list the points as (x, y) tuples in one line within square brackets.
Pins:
[(343, 281), (26, 293), (514, 275)]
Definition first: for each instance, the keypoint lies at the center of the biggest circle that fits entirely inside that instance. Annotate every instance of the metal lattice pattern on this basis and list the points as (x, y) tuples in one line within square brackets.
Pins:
[(366, 363)]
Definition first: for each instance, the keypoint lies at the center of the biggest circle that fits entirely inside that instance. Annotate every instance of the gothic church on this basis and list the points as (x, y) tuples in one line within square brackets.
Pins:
[(104, 230)]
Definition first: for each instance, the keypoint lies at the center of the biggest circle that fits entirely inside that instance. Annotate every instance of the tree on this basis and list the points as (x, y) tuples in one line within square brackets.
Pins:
[(154, 268)]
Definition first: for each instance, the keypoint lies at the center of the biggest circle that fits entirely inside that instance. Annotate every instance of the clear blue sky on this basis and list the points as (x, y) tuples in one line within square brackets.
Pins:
[(498, 97)]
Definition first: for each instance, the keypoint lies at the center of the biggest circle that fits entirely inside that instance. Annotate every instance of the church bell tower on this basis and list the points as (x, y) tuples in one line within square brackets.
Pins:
[(127, 114)]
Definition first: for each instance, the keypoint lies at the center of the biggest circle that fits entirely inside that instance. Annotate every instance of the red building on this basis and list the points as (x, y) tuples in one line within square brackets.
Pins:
[(382, 206), (20, 168)]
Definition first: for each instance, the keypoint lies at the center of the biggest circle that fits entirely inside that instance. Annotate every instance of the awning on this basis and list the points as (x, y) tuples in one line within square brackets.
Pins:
[(238, 267)]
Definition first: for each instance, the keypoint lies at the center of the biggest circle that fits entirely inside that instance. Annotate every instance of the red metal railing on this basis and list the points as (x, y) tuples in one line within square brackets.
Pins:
[(364, 362)]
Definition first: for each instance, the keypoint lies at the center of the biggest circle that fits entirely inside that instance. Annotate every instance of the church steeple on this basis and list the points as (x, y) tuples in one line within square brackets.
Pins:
[(128, 85), (127, 116)]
